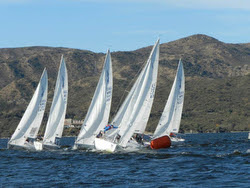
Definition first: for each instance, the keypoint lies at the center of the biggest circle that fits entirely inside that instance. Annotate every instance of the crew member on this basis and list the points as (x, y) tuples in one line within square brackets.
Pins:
[(108, 127)]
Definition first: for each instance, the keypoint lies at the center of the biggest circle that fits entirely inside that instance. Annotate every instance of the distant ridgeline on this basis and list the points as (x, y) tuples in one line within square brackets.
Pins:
[(217, 97)]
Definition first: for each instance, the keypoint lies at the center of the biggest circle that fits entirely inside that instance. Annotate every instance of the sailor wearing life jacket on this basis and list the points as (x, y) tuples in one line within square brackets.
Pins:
[(108, 127)]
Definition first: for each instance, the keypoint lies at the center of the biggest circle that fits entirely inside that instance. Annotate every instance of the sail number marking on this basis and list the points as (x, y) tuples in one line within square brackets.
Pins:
[(152, 92), (108, 94)]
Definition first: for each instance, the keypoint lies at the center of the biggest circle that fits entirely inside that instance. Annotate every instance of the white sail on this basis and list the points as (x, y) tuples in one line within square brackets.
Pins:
[(55, 124), (133, 115), (32, 118), (98, 112), (171, 116)]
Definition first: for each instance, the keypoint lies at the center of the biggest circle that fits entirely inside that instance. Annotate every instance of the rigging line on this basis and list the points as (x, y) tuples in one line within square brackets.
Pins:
[(126, 89)]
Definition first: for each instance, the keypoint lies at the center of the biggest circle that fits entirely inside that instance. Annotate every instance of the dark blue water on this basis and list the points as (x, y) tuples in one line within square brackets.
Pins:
[(204, 160)]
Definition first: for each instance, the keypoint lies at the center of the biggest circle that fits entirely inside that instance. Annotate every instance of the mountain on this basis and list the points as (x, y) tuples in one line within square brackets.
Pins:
[(217, 81)]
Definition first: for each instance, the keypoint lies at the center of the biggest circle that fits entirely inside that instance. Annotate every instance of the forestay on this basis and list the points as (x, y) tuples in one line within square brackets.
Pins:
[(98, 112), (171, 116), (32, 118), (55, 124), (133, 115)]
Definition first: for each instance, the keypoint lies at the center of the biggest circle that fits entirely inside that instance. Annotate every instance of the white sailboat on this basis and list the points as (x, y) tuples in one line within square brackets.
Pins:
[(27, 129), (171, 116), (133, 115), (98, 113), (55, 124)]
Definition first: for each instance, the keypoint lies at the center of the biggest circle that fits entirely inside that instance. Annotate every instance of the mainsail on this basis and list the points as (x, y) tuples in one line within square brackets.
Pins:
[(55, 124), (171, 116), (133, 115), (32, 118), (98, 112)]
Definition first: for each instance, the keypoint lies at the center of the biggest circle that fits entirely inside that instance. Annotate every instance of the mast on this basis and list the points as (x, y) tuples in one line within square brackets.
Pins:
[(134, 113), (99, 109), (31, 121), (171, 116), (55, 124)]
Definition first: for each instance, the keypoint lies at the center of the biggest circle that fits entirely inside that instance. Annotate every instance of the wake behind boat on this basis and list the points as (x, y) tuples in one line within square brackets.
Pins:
[(26, 131), (169, 123), (133, 115), (55, 124)]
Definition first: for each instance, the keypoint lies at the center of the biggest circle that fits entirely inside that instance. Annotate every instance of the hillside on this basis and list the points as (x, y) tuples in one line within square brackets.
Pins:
[(217, 81)]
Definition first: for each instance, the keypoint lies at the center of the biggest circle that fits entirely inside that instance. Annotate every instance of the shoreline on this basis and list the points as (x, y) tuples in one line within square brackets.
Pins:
[(149, 133)]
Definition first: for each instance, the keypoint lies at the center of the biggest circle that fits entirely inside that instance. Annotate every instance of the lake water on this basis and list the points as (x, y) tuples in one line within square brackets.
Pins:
[(204, 160)]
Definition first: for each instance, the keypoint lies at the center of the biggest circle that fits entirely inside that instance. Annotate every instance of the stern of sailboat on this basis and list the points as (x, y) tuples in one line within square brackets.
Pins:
[(104, 145)]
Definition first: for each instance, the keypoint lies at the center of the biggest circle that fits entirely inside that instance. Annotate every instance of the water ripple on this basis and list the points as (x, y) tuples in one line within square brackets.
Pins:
[(204, 160)]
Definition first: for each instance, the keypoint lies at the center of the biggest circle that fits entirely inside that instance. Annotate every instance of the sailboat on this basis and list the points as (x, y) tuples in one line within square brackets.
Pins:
[(27, 129), (55, 124), (133, 115), (171, 117), (98, 113)]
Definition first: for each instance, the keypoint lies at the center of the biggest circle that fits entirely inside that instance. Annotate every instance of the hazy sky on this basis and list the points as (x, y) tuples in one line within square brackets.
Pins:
[(119, 24)]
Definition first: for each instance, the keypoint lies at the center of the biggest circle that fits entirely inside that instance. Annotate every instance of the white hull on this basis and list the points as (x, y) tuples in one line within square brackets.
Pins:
[(83, 147), (104, 145), (51, 146), (38, 145), (248, 135), (26, 146)]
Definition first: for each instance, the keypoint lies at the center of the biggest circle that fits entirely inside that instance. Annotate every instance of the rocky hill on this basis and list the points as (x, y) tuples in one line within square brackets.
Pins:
[(217, 81)]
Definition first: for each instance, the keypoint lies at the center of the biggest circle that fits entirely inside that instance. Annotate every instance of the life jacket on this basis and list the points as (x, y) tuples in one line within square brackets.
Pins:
[(107, 127), (172, 134)]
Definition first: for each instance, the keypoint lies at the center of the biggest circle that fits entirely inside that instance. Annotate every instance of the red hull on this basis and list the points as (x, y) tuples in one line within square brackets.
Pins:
[(162, 142)]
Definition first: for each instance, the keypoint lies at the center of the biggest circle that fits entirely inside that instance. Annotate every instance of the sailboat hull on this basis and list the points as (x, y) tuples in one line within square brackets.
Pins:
[(83, 147), (28, 127), (161, 142), (45, 146), (50, 146), (104, 145), (38, 145), (27, 146)]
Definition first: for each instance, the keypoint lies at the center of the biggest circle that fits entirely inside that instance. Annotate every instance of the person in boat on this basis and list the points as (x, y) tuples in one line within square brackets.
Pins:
[(108, 127), (39, 138), (139, 138), (117, 138), (172, 135), (100, 134), (27, 140)]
